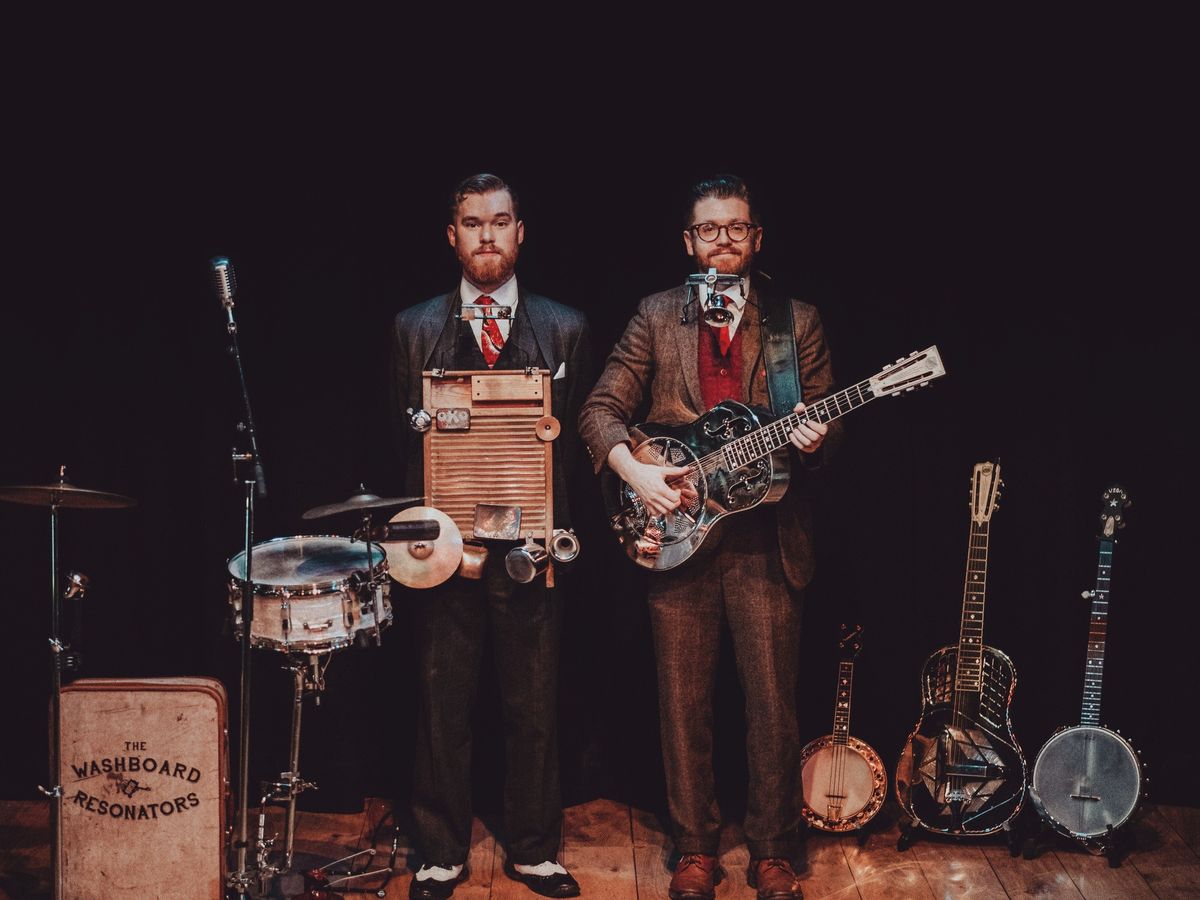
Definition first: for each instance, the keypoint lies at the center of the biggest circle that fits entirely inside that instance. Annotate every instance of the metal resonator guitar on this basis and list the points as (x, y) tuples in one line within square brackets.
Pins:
[(961, 772), (737, 458)]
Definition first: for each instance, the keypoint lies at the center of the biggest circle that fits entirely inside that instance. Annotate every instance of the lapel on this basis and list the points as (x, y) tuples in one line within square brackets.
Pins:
[(751, 345), (686, 338), (530, 337), (431, 329)]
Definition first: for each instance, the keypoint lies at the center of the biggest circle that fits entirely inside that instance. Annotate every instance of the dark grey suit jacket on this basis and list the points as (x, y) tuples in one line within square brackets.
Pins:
[(559, 334), (657, 360)]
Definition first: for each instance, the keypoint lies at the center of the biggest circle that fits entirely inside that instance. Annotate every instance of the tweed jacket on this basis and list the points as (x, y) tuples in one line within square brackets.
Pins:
[(656, 363), (558, 334)]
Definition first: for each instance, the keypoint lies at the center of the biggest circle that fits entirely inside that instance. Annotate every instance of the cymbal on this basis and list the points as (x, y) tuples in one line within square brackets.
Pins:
[(64, 495), (356, 503), (425, 564)]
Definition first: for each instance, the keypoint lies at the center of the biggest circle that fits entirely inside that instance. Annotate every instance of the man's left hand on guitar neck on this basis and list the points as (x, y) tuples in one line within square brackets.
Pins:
[(807, 437)]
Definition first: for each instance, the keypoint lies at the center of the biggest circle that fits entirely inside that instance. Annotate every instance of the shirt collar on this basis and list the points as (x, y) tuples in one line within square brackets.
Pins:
[(505, 295)]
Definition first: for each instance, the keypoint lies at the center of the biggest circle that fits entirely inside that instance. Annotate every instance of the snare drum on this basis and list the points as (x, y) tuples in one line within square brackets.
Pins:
[(312, 593)]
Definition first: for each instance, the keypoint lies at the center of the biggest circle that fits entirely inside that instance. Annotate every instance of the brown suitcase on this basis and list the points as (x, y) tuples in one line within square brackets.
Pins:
[(145, 788)]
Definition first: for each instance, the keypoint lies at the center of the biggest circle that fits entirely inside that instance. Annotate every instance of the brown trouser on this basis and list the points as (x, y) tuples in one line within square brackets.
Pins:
[(742, 584)]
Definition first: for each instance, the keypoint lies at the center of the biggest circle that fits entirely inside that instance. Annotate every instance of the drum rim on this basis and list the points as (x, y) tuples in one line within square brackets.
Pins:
[(307, 588), (1040, 806)]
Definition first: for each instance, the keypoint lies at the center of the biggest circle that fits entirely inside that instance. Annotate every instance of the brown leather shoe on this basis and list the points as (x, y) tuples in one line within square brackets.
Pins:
[(695, 878), (774, 879)]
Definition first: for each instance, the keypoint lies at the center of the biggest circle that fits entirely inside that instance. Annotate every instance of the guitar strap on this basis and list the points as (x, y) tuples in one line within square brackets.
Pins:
[(779, 351)]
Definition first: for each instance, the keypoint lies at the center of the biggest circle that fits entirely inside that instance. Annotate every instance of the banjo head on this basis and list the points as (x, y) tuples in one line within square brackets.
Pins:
[(1085, 779), (844, 784)]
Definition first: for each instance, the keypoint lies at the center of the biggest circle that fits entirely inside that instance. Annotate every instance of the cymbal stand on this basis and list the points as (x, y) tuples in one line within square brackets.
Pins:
[(55, 792), (308, 677)]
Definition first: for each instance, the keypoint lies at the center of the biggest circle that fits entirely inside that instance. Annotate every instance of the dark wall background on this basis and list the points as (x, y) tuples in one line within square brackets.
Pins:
[(1031, 228)]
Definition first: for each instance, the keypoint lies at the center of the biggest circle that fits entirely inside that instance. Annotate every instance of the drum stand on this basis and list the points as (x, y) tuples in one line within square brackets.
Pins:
[(308, 678)]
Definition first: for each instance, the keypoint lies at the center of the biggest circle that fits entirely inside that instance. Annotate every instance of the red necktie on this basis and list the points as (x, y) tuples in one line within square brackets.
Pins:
[(491, 341), (723, 337)]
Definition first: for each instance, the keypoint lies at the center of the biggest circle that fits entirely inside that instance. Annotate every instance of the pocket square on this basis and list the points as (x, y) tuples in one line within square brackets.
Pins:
[(562, 371)]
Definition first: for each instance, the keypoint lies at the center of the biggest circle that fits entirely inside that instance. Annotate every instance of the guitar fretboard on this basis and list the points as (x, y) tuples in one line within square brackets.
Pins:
[(969, 673), (841, 706), (766, 440), (1093, 672)]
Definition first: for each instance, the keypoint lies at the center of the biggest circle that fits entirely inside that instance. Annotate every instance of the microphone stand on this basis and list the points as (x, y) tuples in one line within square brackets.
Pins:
[(240, 879)]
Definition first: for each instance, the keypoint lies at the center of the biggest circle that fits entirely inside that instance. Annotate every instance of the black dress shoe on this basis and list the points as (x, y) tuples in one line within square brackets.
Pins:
[(557, 885), (432, 889)]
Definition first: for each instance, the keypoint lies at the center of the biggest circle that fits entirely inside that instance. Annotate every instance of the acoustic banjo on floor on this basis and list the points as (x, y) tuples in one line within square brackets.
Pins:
[(1087, 780), (843, 778)]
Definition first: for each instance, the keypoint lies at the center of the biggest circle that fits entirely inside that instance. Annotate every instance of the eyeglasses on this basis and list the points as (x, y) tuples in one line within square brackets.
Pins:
[(737, 231)]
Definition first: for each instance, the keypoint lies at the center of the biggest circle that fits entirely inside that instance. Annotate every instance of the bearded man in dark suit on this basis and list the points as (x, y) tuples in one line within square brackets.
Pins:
[(450, 620), (753, 579)]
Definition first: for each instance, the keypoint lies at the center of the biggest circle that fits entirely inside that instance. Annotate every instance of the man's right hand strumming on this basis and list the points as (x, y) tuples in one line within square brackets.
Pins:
[(648, 480)]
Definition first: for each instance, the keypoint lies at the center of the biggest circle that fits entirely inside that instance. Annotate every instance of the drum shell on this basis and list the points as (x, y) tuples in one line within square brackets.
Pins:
[(295, 615), (1115, 776)]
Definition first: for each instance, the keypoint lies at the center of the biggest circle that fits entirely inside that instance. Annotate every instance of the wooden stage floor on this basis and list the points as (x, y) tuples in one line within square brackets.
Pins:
[(618, 853)]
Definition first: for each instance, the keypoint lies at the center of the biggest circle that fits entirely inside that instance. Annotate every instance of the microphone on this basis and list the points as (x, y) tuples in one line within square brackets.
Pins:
[(225, 281), (412, 530)]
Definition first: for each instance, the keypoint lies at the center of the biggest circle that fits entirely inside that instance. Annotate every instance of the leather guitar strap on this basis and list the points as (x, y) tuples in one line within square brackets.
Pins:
[(779, 351)]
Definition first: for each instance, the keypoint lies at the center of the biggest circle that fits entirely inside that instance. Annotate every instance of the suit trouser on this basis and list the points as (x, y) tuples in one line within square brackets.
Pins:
[(450, 623), (742, 584)]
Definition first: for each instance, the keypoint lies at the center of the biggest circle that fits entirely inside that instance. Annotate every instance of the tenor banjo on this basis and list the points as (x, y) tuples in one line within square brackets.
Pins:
[(1087, 780), (843, 778)]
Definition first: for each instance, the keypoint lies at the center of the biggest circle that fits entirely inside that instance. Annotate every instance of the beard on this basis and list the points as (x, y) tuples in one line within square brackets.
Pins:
[(488, 268), (728, 265)]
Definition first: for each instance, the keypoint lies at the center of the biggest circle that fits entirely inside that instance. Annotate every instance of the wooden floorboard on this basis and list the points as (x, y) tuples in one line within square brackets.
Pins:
[(619, 853), (1185, 820), (1043, 876), (882, 872), (957, 868), (1169, 866)]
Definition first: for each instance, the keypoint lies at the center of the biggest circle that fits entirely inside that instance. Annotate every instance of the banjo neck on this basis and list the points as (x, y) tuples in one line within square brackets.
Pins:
[(1115, 500), (841, 707), (850, 644)]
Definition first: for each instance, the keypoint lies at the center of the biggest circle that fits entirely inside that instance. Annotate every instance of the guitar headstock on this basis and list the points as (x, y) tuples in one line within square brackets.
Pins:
[(908, 373), (985, 490), (850, 642), (1112, 514)]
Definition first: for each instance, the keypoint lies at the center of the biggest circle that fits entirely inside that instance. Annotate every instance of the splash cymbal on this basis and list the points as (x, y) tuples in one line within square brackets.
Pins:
[(356, 503), (425, 564)]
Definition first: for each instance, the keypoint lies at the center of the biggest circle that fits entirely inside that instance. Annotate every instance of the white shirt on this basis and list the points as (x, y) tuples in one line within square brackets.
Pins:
[(505, 295)]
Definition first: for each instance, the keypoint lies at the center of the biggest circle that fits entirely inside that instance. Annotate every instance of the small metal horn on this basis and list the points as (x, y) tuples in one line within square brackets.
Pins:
[(564, 545)]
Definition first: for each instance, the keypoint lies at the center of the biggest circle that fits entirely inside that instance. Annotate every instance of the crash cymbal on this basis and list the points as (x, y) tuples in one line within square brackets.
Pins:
[(356, 503), (425, 564), (64, 495)]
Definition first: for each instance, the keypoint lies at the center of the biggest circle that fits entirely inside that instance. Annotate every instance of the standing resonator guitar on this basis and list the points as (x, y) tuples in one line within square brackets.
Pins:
[(736, 458), (843, 778), (1087, 780), (961, 771)]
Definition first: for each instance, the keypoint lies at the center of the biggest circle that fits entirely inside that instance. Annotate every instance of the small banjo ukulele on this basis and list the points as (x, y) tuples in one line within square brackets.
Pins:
[(843, 778)]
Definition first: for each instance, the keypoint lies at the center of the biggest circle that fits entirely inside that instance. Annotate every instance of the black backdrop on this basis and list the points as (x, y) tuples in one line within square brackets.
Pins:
[(1027, 229)]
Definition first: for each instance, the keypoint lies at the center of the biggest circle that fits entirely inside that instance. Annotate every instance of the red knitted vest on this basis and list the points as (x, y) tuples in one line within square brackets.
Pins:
[(720, 376)]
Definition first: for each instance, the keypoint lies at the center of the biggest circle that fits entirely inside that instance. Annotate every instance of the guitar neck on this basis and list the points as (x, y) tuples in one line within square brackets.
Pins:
[(766, 440), (1093, 672), (841, 705), (969, 674)]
